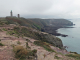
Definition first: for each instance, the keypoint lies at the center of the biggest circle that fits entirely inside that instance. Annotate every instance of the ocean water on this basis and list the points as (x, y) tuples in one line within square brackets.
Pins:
[(73, 38)]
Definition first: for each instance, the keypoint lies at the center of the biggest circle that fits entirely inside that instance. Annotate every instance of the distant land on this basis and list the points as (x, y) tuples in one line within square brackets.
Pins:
[(45, 25)]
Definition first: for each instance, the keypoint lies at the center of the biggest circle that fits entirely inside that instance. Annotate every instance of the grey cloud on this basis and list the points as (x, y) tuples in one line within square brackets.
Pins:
[(41, 8)]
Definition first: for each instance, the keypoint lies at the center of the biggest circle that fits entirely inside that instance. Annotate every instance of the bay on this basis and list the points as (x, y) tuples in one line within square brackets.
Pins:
[(72, 41)]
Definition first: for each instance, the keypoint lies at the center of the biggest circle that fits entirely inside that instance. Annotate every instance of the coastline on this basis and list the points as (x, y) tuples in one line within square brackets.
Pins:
[(53, 30)]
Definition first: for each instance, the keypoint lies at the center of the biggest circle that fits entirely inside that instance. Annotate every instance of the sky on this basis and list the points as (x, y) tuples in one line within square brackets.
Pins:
[(67, 9)]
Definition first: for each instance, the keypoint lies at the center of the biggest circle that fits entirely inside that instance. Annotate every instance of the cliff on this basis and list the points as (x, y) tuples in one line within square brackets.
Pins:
[(19, 42), (39, 23), (24, 43), (46, 25)]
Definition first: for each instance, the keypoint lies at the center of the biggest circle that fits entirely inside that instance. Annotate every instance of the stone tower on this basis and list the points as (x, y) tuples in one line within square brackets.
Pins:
[(11, 13), (18, 15)]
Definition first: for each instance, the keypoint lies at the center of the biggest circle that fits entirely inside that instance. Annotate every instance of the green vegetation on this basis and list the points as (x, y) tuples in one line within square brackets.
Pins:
[(25, 22), (4, 29), (74, 52), (27, 45), (27, 39), (44, 55), (62, 22), (10, 32), (44, 45), (18, 42), (1, 44), (23, 53), (0, 30), (56, 57), (37, 26), (32, 53), (20, 52), (76, 56), (13, 45), (32, 33), (17, 31), (3, 21)]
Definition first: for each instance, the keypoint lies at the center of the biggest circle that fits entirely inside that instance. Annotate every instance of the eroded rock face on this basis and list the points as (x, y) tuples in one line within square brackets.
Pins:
[(55, 41)]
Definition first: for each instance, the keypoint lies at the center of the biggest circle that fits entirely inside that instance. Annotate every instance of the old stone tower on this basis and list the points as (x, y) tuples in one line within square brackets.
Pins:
[(18, 15), (11, 13)]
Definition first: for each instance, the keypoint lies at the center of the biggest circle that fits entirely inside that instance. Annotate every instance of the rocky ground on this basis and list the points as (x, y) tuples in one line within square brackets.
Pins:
[(6, 51)]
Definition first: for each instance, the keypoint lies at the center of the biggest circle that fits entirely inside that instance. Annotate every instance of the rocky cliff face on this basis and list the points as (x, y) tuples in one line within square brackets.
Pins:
[(12, 46), (52, 40), (12, 35), (21, 31), (61, 22), (48, 25)]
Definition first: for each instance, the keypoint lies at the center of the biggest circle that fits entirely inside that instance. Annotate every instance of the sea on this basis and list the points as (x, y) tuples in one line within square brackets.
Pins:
[(72, 41)]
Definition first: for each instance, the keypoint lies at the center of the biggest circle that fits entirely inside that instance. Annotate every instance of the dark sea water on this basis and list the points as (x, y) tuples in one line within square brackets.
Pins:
[(73, 39)]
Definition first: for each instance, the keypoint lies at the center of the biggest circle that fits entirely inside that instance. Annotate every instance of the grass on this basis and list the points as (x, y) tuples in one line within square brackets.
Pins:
[(76, 56), (44, 45), (1, 44), (37, 26), (4, 29)]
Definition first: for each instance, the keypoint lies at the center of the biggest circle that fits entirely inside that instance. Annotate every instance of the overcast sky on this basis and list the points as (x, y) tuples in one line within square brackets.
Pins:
[(68, 9)]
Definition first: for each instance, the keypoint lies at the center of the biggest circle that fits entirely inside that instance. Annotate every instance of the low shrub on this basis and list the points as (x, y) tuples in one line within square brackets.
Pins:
[(27, 39), (56, 57), (44, 45), (10, 32), (37, 26), (74, 52), (32, 53), (77, 56), (18, 42), (0, 30), (13, 45), (1, 44), (27, 45), (44, 55), (20, 52), (4, 29)]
